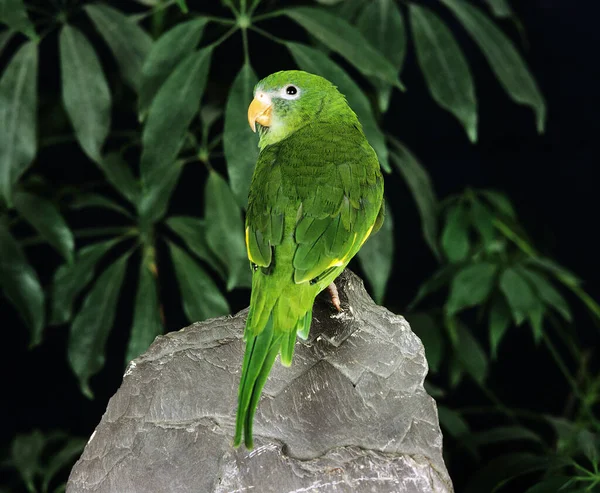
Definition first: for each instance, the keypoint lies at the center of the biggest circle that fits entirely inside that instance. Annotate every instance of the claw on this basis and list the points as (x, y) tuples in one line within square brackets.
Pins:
[(335, 297)]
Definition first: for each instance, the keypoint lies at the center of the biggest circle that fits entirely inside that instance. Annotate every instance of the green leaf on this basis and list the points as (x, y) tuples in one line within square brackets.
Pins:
[(470, 354), (224, 228), (200, 295), (500, 8), (504, 468), (21, 285), (471, 287), (119, 174), (171, 113), (519, 294), (453, 422), (505, 434), (376, 257), (85, 92), (14, 15), (5, 37), (47, 220), (193, 232), (429, 331), (500, 202), (18, 117), (316, 62), (588, 443), (483, 220), (551, 485), (128, 42), (438, 280), (25, 454), (547, 293), (64, 458), (165, 55), (421, 188), (154, 201), (92, 325), (455, 236), (456, 371), (239, 143), (557, 270), (96, 200), (498, 324), (503, 57), (382, 24), (345, 39), (182, 5), (444, 67), (147, 323), (70, 280)]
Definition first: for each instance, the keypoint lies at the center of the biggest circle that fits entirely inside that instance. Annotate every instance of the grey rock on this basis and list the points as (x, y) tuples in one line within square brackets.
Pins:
[(350, 415)]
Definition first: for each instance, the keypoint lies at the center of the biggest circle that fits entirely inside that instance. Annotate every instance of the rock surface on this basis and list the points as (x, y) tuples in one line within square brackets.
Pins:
[(350, 415)]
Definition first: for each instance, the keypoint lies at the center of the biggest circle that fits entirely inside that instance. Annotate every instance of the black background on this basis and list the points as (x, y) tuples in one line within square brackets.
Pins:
[(552, 180)]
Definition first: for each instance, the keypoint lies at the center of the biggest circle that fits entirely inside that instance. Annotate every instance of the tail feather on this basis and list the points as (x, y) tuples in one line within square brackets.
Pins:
[(304, 325), (261, 351), (288, 343)]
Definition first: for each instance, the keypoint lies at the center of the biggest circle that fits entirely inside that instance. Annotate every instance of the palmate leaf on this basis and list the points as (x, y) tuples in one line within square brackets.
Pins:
[(5, 37), (421, 188), (503, 57), (128, 42), (550, 296), (47, 220), (192, 231), (166, 53), (316, 62), (182, 5), (376, 257), (14, 15), (85, 92), (444, 67), (382, 24), (200, 295), (500, 318), (239, 143), (483, 220), (92, 325), (438, 280), (453, 422), (18, 117), (119, 174), (500, 8), (154, 201), (345, 39), (471, 286), (504, 468), (26, 454), (147, 323), (455, 236), (225, 229), (518, 293), (21, 285), (86, 200), (470, 354), (70, 280), (499, 202), (171, 113)]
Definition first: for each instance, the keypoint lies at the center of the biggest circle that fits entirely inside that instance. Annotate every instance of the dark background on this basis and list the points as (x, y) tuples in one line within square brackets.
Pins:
[(551, 179)]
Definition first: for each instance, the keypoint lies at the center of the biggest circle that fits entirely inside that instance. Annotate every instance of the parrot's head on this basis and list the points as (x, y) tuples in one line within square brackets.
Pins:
[(286, 101)]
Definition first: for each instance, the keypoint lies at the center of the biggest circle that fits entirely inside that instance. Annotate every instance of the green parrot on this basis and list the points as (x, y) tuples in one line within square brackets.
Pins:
[(315, 197)]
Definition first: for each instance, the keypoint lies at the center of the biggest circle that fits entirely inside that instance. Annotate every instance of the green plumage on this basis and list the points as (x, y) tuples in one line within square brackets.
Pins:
[(315, 196)]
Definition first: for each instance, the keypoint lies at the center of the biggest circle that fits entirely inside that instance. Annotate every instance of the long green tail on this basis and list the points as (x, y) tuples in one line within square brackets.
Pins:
[(260, 354), (261, 351)]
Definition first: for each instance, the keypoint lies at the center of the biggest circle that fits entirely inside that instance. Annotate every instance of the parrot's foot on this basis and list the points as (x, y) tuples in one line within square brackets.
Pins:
[(335, 297)]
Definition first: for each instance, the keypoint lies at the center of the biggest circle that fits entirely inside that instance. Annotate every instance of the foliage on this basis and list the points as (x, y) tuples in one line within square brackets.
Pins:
[(165, 52)]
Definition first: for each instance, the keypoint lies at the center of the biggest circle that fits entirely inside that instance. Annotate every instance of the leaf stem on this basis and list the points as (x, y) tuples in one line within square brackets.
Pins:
[(222, 38), (269, 15), (268, 35), (246, 49)]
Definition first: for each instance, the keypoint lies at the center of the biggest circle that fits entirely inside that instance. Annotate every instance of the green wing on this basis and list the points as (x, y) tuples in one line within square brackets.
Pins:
[(323, 187)]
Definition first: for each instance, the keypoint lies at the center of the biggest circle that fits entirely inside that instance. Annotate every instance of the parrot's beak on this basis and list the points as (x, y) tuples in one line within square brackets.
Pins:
[(259, 111)]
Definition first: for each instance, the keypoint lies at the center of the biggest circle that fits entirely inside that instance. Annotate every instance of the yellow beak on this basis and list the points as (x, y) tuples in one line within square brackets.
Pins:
[(259, 112)]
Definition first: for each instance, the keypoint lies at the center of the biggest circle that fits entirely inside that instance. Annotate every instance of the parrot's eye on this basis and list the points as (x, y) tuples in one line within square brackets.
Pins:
[(290, 92)]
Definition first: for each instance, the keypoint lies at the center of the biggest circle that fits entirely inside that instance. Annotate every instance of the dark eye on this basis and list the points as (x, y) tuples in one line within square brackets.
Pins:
[(291, 90)]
